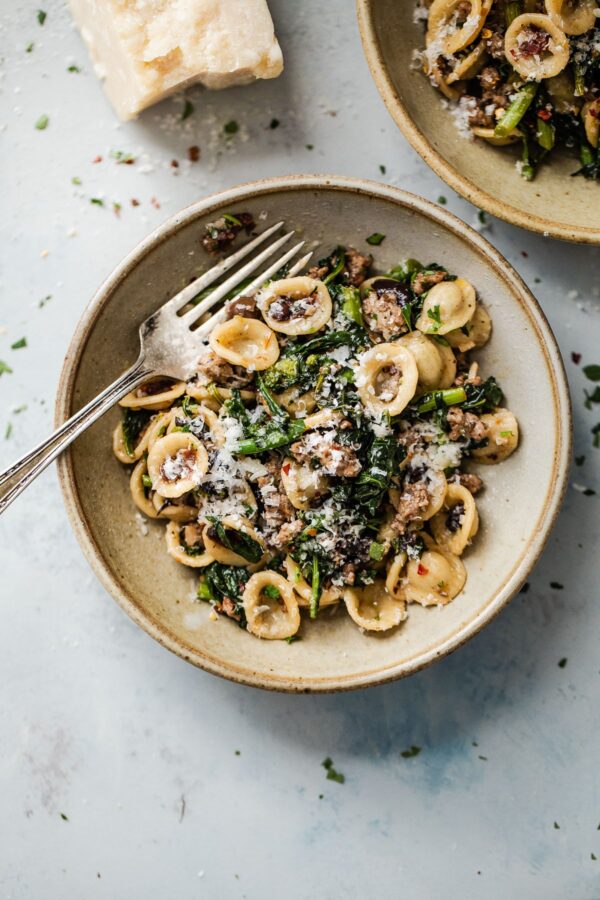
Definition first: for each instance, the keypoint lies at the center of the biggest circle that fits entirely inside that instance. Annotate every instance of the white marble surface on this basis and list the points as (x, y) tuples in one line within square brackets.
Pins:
[(137, 749)]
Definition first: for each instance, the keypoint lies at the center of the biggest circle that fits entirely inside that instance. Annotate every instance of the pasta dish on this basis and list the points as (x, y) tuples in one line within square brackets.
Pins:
[(317, 456), (523, 72)]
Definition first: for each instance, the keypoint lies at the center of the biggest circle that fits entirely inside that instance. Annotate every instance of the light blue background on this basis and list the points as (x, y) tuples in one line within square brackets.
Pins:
[(136, 748)]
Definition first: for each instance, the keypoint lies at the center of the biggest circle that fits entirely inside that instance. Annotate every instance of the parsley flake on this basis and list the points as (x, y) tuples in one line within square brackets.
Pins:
[(556, 825), (412, 751), (41, 16), (231, 127), (97, 201), (64, 817), (442, 200), (375, 239), (8, 431), (4, 367), (562, 662), (29, 47), (557, 586), (73, 68), (435, 316), (42, 122), (596, 433), (188, 109), (382, 169), (18, 345), (274, 123), (332, 774), (592, 372)]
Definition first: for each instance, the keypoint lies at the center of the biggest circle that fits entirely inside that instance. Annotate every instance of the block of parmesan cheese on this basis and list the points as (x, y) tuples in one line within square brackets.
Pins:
[(144, 50)]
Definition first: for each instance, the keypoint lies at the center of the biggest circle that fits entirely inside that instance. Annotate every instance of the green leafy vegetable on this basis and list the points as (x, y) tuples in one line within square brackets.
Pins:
[(236, 541), (592, 372), (272, 592), (42, 15), (134, 422), (373, 482), (375, 239), (18, 345), (5, 368), (332, 774)]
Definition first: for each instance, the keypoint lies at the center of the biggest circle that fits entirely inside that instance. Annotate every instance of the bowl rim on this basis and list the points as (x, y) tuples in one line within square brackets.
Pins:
[(248, 192), (447, 172)]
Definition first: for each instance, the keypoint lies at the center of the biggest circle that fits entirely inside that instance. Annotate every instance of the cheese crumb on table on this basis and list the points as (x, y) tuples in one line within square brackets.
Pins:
[(144, 50)]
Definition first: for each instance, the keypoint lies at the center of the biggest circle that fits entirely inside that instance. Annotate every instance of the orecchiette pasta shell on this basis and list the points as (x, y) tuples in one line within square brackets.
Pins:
[(502, 432), (120, 450), (312, 316), (176, 464), (214, 396), (440, 31), (537, 66), (430, 364), (224, 554), (590, 114), (177, 551), (159, 426), (372, 608), (323, 418), (329, 596), (138, 492), (213, 434), (448, 305), (478, 330), (245, 342), (489, 135), (434, 579), (448, 365), (394, 580), (161, 400), (573, 16), (433, 70), (299, 405), (398, 361), (177, 510), (302, 484), (455, 541), (269, 618), (436, 484), (562, 91)]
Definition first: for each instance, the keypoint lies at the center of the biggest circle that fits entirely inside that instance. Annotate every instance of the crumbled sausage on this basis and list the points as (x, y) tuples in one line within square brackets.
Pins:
[(383, 308), (356, 267), (532, 41), (222, 233), (464, 425), (278, 515), (413, 501), (472, 483), (243, 306), (318, 272), (211, 367), (426, 280), (227, 607), (335, 458), (489, 78), (285, 308), (192, 534)]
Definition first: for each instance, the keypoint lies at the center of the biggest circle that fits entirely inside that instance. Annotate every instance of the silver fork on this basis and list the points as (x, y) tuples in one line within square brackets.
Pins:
[(167, 344)]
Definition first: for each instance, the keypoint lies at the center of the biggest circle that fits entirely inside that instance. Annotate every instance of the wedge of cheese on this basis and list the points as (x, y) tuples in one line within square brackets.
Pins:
[(144, 50)]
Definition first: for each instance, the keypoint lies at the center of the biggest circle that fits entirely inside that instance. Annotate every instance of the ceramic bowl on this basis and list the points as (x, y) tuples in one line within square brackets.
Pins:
[(517, 509), (555, 204)]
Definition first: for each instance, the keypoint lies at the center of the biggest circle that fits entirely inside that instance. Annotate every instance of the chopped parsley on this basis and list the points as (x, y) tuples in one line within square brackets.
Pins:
[(442, 200), (292, 639), (18, 345), (231, 127), (592, 372), (376, 239), (594, 397), (73, 68), (482, 217), (562, 662), (5, 368), (435, 316), (64, 817), (126, 159), (272, 592), (310, 146), (579, 460), (188, 109), (382, 168), (412, 751), (42, 122), (556, 586), (556, 825), (97, 201), (596, 433), (75, 179), (274, 123), (8, 431), (332, 773), (29, 47), (41, 16)]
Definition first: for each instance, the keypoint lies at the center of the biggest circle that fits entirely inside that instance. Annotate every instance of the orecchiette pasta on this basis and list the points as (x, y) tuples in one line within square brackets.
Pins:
[(245, 342), (457, 522), (271, 606), (387, 378), (304, 465), (296, 306), (536, 47), (591, 120), (573, 16), (373, 609), (448, 306), (176, 464), (502, 434), (445, 28)]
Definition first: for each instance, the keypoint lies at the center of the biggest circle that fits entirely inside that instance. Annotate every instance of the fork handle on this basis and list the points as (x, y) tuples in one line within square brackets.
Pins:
[(22, 472)]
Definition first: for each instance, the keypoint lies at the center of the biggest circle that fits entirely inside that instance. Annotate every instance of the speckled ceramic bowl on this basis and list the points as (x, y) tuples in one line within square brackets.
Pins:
[(555, 204), (517, 508)]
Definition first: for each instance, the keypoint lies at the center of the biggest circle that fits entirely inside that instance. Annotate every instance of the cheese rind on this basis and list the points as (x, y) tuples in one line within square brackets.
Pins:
[(145, 50)]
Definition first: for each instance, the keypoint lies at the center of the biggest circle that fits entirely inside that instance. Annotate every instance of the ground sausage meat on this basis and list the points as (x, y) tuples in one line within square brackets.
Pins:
[(472, 483), (383, 308), (278, 514), (464, 425), (335, 458), (243, 306), (192, 534), (424, 281), (413, 502), (222, 233), (356, 267), (211, 367)]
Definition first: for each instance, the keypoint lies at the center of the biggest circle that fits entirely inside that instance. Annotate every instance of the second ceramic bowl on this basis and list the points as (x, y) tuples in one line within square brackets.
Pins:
[(518, 507), (555, 204)]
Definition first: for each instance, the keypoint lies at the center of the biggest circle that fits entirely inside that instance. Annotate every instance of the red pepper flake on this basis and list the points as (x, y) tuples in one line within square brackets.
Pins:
[(311, 532), (576, 358), (286, 468), (135, 202), (421, 570), (544, 115), (193, 153), (524, 253), (97, 159), (174, 164), (154, 202)]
